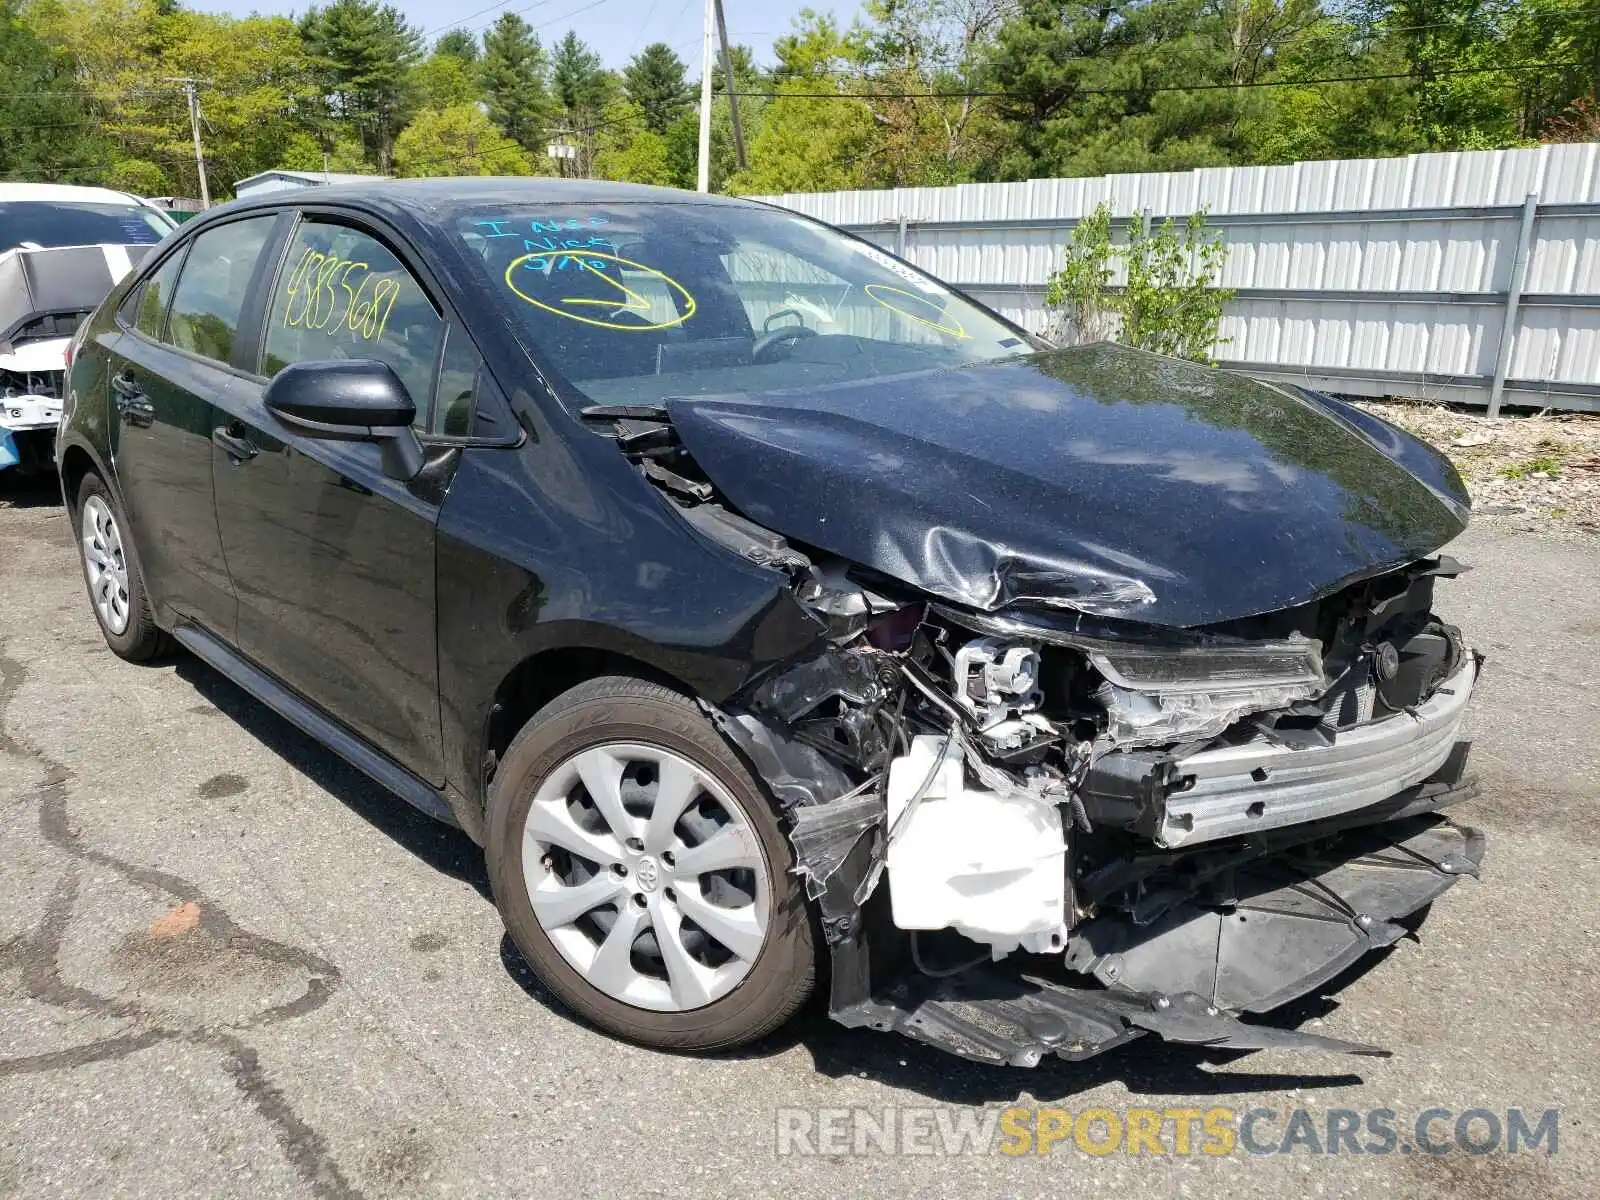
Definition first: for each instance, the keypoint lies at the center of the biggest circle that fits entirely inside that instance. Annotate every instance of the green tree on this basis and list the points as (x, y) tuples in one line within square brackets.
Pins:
[(442, 80), (816, 47), (514, 79), (628, 151), (458, 43), (259, 89), (457, 141), (581, 89), (346, 156), (804, 143), (363, 52), (657, 84), (580, 84), (46, 122)]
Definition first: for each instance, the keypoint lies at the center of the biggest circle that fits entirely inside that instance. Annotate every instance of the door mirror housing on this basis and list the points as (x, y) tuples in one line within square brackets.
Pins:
[(349, 400)]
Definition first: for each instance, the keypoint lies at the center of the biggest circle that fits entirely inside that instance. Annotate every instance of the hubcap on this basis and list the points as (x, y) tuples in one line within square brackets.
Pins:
[(647, 876), (105, 564)]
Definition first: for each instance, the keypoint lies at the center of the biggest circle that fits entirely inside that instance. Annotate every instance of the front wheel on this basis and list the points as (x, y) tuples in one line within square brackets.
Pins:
[(643, 873)]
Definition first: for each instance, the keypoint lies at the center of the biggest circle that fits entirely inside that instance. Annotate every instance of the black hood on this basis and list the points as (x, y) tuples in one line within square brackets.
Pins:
[(1098, 478)]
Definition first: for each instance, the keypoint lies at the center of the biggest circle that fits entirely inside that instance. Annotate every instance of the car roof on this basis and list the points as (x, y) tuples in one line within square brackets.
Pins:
[(427, 197), (61, 193)]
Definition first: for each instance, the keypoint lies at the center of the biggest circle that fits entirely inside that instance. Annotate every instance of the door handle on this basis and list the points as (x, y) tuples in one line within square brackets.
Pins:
[(234, 439), (132, 404)]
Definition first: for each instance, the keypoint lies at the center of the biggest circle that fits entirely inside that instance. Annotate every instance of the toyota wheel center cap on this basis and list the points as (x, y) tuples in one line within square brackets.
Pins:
[(647, 873)]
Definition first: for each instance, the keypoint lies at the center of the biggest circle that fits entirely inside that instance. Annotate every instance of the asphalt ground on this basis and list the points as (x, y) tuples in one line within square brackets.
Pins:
[(231, 966)]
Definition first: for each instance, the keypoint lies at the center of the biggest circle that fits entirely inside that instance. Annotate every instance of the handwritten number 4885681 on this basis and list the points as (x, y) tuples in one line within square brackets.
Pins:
[(320, 283)]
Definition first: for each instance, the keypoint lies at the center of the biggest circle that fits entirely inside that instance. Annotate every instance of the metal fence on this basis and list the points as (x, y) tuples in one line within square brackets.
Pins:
[(1471, 277)]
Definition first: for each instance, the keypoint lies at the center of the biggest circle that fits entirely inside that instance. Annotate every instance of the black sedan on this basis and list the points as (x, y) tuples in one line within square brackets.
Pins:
[(770, 612)]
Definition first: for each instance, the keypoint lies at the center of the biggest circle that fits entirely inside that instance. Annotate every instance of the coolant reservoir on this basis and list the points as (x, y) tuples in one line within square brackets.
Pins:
[(992, 867)]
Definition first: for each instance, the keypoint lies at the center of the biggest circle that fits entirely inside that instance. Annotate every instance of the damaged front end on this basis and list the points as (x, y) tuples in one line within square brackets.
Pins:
[(1034, 830)]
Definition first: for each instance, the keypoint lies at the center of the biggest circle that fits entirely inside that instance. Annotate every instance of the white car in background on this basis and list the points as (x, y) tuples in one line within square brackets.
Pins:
[(61, 250)]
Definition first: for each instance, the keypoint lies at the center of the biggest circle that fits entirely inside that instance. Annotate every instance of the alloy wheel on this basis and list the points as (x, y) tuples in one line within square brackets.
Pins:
[(647, 876), (106, 564)]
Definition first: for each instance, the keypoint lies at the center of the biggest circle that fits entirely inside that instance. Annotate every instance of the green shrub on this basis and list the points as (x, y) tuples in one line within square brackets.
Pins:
[(1167, 304)]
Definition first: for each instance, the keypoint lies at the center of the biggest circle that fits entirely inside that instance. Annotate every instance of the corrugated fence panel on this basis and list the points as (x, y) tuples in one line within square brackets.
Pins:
[(1371, 276)]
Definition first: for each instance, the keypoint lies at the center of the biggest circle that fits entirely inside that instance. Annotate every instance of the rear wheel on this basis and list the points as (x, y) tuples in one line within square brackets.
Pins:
[(111, 571), (643, 874)]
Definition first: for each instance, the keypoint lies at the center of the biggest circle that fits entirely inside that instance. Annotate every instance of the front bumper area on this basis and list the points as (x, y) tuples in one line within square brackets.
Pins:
[(1244, 789), (1293, 921)]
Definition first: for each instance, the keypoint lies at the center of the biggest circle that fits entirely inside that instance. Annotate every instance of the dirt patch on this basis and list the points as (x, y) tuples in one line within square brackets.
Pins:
[(219, 787), (1540, 472), (1481, 1177), (429, 942)]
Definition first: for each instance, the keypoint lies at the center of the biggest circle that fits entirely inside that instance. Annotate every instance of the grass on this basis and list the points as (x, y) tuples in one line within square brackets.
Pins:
[(1546, 464)]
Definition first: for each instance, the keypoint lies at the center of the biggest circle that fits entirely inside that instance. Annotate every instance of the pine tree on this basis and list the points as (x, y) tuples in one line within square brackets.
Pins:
[(514, 79), (579, 82), (364, 52), (458, 43), (656, 80)]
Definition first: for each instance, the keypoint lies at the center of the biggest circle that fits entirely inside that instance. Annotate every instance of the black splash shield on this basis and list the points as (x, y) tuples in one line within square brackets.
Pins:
[(1295, 920)]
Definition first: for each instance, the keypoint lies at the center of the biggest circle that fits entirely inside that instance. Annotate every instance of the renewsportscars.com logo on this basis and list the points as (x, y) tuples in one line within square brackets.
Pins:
[(1169, 1132)]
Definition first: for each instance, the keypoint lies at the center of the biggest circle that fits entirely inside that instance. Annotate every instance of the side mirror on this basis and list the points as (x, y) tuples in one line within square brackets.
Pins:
[(349, 400)]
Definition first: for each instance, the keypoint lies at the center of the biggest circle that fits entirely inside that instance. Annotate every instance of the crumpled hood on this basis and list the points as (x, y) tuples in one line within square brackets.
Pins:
[(1098, 478)]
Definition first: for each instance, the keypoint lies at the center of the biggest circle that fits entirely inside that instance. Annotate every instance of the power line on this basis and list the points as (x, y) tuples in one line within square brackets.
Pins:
[(461, 21), (539, 4), (643, 26)]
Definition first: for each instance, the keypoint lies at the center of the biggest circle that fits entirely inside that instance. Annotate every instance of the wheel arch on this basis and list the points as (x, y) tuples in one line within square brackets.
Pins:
[(76, 461), (541, 677)]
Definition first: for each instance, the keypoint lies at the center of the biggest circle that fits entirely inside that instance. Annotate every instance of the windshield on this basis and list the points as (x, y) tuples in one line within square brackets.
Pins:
[(41, 225), (636, 302)]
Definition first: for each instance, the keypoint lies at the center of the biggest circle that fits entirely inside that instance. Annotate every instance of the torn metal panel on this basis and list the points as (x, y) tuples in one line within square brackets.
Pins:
[(1099, 479)]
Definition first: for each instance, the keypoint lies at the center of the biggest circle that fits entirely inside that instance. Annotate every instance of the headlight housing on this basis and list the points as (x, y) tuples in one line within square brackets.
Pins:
[(1157, 693)]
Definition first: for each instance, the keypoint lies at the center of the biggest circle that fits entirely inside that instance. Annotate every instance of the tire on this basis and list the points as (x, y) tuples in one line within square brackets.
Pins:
[(138, 639), (616, 718)]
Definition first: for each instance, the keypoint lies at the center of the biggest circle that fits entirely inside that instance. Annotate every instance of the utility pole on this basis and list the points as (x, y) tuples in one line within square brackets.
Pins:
[(190, 89), (733, 98), (707, 22)]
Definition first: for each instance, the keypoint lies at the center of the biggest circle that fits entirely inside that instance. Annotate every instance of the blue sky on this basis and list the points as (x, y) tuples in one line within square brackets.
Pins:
[(616, 28)]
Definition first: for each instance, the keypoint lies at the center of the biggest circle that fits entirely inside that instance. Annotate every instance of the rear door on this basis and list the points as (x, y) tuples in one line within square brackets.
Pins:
[(333, 561), (171, 364)]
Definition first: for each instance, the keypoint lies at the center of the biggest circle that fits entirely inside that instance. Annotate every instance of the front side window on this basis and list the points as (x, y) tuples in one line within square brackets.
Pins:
[(634, 302), (46, 225), (214, 285), (342, 294)]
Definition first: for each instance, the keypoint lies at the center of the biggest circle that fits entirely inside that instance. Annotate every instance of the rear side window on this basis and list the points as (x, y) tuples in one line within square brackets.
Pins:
[(154, 296), (342, 294), (214, 285)]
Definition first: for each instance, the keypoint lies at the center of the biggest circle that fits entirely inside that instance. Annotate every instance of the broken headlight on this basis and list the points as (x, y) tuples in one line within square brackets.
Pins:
[(1158, 694)]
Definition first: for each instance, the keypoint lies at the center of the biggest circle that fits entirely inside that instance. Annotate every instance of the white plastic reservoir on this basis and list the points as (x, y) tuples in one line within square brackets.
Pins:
[(992, 867)]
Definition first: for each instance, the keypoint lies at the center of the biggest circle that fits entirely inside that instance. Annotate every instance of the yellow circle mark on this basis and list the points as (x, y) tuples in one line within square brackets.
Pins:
[(626, 300), (954, 329)]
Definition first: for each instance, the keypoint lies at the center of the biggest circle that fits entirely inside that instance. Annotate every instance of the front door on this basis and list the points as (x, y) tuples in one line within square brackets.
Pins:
[(168, 368), (332, 561)]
